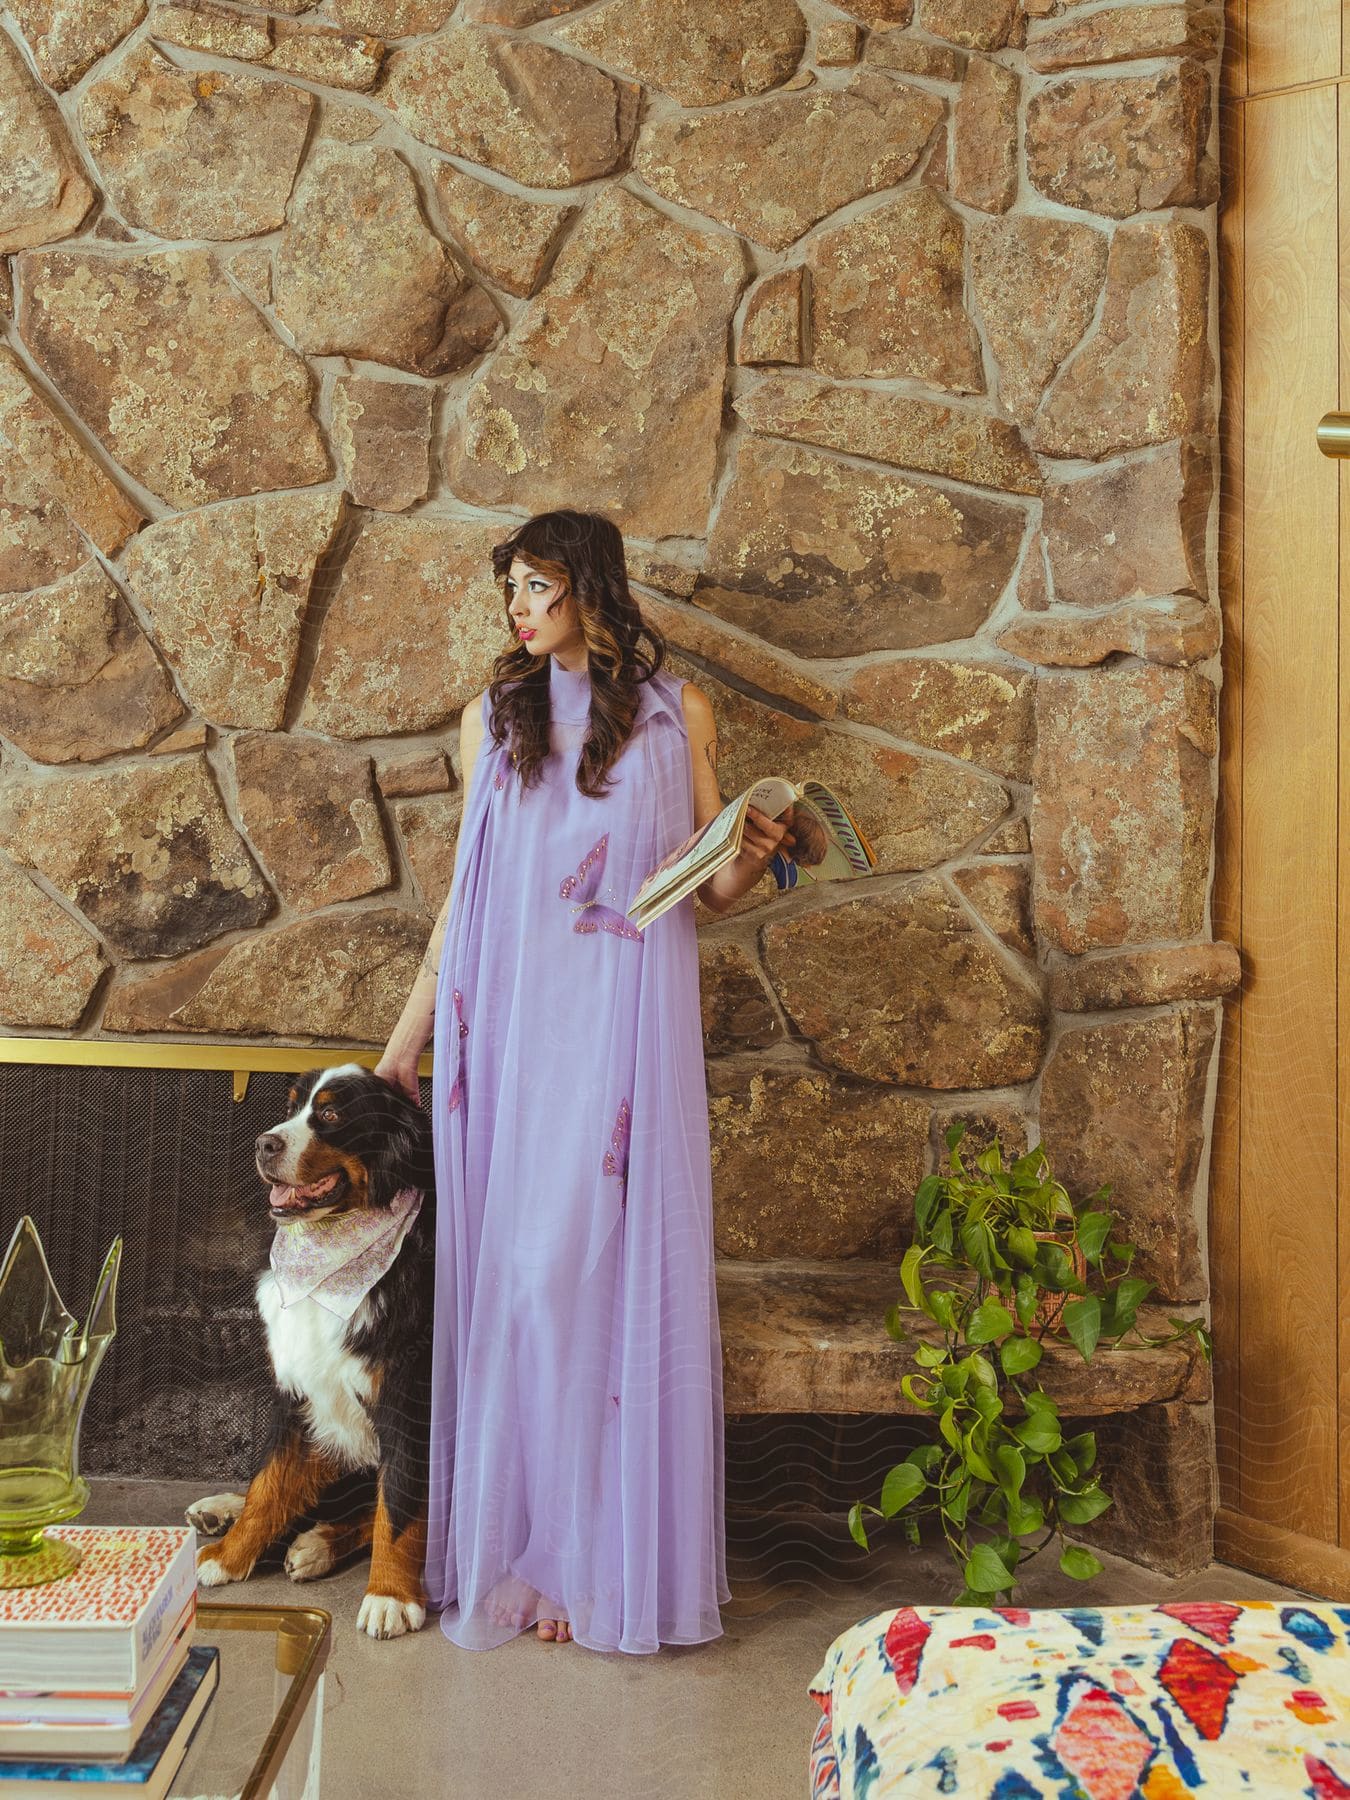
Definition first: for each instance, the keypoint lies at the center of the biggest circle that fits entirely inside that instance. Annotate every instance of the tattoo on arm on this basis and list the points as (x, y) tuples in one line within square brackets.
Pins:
[(435, 943), (710, 750)]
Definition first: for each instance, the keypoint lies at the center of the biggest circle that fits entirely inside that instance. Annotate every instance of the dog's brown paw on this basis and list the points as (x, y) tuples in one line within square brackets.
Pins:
[(381, 1616), (214, 1515)]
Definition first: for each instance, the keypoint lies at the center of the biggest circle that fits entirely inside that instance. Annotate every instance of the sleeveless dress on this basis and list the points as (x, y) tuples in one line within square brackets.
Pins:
[(577, 1426)]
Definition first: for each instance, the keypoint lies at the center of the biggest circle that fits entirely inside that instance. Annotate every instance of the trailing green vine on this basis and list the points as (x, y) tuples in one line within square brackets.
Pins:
[(999, 1478)]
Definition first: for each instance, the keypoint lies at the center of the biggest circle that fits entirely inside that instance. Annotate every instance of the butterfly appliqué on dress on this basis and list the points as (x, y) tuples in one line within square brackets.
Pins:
[(595, 916), (457, 1091), (616, 1161), (616, 1157)]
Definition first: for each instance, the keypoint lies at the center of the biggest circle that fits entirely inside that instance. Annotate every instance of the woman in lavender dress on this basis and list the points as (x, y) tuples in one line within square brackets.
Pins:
[(576, 1442)]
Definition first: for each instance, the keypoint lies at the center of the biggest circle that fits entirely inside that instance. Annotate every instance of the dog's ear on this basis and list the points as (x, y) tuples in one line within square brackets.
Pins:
[(402, 1155)]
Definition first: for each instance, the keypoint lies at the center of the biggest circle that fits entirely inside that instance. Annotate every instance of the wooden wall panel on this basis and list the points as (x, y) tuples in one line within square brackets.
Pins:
[(1343, 840), (1233, 69), (1285, 42), (1288, 1117), (1225, 1240), (1300, 1562)]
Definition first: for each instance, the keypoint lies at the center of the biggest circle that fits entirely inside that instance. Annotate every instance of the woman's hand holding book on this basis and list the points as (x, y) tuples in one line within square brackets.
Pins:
[(761, 838)]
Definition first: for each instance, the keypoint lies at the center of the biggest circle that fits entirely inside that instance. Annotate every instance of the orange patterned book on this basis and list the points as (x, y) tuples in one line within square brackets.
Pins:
[(99, 1628)]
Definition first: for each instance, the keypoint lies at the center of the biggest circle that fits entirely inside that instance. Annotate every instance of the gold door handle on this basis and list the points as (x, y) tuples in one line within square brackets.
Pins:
[(1333, 434)]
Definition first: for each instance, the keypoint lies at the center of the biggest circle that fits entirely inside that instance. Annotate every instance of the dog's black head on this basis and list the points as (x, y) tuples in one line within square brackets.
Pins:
[(348, 1140)]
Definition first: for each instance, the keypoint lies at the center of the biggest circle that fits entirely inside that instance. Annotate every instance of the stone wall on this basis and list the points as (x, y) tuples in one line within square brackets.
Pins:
[(884, 333)]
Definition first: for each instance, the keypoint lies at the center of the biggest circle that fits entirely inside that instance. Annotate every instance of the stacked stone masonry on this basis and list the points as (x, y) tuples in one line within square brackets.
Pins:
[(885, 333)]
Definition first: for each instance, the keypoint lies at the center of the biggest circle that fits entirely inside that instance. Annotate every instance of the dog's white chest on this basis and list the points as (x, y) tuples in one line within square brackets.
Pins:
[(308, 1354)]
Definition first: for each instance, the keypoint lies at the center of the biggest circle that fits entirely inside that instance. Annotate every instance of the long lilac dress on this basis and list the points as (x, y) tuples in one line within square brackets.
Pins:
[(577, 1428)]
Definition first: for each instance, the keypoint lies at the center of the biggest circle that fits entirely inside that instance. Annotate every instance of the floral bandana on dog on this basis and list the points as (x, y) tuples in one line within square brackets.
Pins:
[(337, 1260)]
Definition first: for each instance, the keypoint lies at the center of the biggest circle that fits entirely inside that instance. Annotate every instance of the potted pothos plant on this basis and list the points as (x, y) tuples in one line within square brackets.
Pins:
[(1002, 1260)]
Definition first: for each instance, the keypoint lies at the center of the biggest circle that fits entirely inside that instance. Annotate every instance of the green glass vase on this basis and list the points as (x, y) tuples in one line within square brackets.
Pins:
[(47, 1366)]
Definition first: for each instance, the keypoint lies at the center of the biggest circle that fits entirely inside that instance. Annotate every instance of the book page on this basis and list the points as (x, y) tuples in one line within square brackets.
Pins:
[(694, 851)]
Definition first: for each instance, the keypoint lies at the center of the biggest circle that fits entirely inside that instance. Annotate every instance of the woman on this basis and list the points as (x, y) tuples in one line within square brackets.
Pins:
[(576, 1442)]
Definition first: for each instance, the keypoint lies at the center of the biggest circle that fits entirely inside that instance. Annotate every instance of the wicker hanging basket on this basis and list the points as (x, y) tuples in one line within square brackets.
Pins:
[(1050, 1307)]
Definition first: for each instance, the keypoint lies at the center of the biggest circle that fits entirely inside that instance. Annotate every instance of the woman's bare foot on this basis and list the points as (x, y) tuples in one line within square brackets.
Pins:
[(510, 1603), (512, 1621), (555, 1631)]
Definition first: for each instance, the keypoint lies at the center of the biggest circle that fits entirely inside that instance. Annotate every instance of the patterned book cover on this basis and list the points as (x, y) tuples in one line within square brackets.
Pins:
[(158, 1752), (102, 1624), (120, 1571)]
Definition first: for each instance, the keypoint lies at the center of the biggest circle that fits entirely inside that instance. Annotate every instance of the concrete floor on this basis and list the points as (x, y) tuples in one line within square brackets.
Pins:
[(417, 1717)]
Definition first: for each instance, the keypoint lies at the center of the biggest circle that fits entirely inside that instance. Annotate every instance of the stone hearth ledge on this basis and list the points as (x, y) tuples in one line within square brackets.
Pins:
[(806, 1337)]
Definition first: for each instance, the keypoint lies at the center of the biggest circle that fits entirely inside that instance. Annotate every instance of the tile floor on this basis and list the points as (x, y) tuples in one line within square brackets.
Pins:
[(417, 1718)]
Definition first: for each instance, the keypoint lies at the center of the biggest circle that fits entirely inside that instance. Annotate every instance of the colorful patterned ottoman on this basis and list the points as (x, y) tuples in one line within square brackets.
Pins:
[(1198, 1698)]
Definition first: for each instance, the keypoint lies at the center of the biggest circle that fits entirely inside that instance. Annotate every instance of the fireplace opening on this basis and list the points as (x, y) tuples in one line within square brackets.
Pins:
[(162, 1157)]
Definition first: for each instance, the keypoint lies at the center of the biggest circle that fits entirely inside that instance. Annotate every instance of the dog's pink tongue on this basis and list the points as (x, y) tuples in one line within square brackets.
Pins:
[(283, 1198)]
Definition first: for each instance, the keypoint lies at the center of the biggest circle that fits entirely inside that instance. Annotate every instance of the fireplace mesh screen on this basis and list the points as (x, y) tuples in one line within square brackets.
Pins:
[(165, 1158)]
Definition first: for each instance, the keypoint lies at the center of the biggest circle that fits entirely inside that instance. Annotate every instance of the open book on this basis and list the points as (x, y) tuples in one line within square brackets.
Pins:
[(830, 845)]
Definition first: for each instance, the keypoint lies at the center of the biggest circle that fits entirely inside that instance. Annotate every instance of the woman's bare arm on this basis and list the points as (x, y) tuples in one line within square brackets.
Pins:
[(762, 835)]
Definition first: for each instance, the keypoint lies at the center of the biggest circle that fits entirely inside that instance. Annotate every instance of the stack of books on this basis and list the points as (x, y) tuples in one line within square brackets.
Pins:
[(101, 1688)]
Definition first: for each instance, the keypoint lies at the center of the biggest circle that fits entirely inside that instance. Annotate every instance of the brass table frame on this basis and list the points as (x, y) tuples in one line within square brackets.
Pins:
[(304, 1637)]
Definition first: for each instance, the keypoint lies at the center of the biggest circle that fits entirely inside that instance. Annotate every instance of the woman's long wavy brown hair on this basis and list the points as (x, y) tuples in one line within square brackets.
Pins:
[(585, 552)]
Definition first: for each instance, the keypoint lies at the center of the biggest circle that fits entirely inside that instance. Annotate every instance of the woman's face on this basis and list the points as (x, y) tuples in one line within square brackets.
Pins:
[(546, 624)]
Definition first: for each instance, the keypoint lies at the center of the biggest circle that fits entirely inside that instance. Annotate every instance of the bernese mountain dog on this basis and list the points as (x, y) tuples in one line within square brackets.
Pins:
[(352, 1362)]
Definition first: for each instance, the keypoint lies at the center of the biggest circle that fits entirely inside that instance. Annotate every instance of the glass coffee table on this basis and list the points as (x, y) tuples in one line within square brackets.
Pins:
[(261, 1736)]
